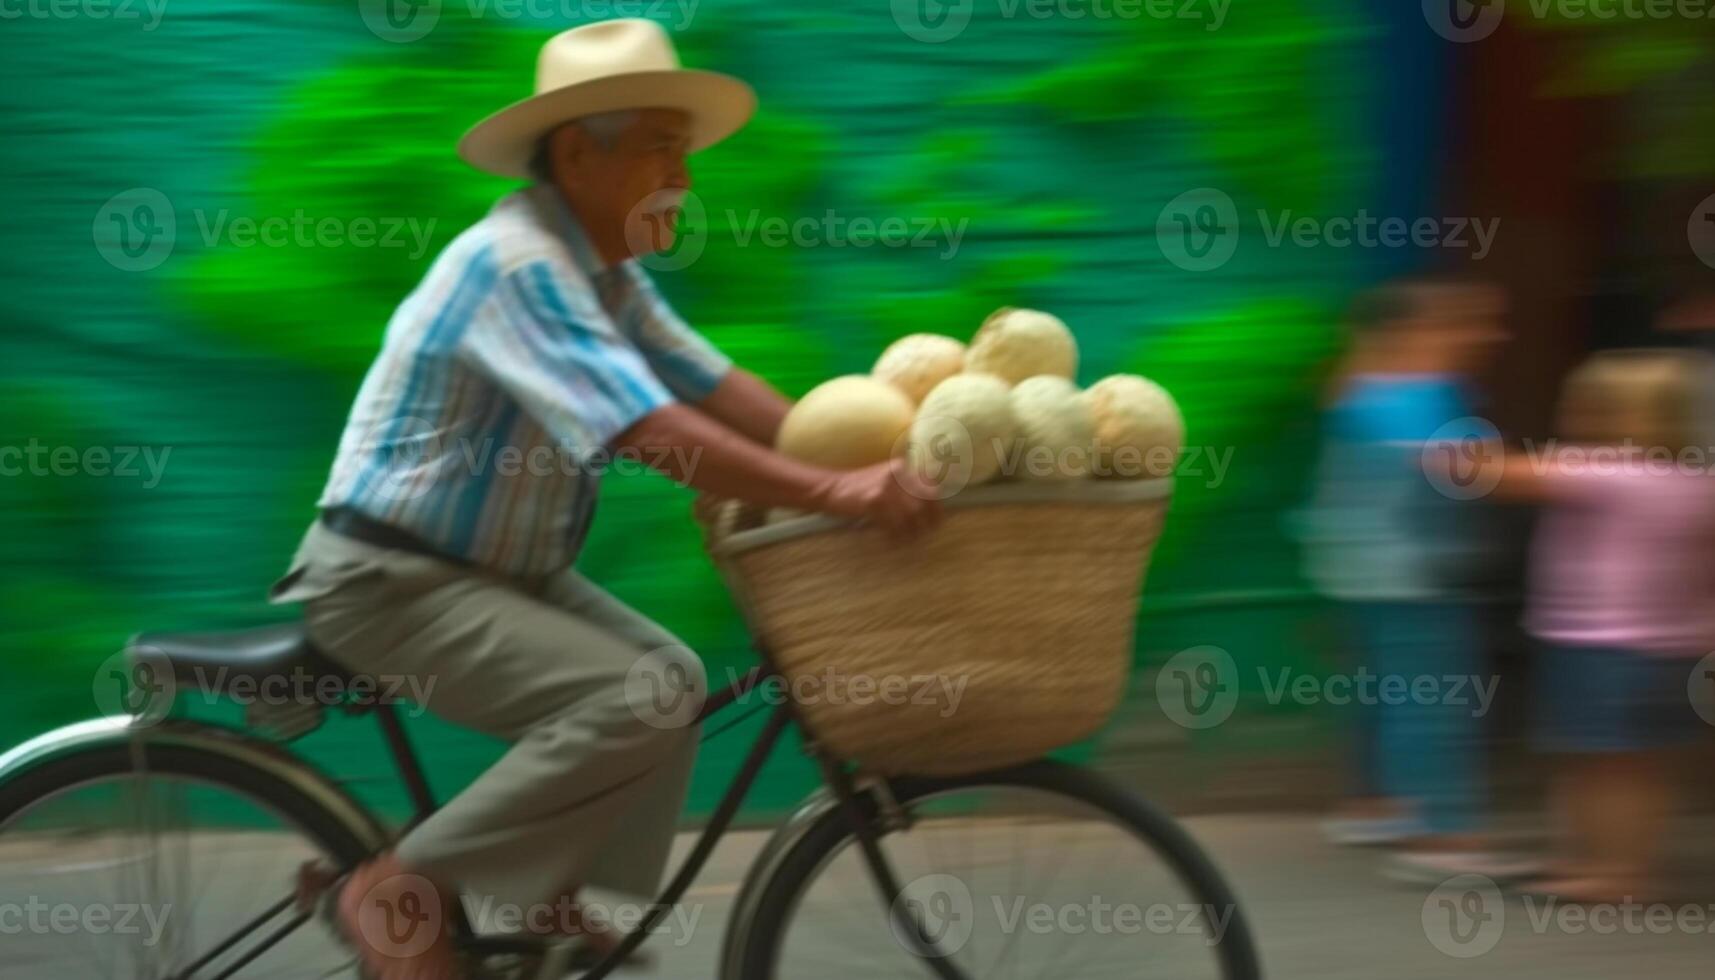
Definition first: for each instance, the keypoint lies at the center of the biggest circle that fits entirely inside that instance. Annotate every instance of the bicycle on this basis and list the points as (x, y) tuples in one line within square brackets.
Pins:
[(121, 763)]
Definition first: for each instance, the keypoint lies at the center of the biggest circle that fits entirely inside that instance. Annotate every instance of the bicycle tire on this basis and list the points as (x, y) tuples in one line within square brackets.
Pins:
[(315, 821), (764, 935)]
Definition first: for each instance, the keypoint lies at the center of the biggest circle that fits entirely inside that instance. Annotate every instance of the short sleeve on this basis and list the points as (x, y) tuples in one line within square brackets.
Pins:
[(548, 345), (684, 360)]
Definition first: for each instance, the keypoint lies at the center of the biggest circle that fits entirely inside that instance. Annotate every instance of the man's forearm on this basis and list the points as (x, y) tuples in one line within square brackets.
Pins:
[(748, 405), (720, 461)]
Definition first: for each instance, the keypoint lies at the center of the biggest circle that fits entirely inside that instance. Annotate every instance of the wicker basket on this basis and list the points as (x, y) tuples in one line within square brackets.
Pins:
[(1005, 633)]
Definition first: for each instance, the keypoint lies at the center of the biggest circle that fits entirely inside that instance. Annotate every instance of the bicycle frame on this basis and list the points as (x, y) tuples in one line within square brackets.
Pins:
[(836, 774)]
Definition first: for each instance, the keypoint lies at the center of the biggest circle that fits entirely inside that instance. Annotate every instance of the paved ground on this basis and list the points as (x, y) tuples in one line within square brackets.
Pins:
[(1317, 912)]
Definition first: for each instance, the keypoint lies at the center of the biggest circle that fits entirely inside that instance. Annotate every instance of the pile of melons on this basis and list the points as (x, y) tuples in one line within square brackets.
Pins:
[(1004, 407)]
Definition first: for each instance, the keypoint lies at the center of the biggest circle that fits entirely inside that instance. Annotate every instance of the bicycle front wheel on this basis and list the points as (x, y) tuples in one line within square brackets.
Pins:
[(1044, 870)]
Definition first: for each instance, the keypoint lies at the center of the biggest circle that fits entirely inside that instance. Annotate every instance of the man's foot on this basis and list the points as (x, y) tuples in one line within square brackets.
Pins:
[(593, 941), (397, 923)]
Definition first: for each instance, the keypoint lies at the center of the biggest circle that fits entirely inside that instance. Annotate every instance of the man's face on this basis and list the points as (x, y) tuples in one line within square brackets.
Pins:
[(633, 187)]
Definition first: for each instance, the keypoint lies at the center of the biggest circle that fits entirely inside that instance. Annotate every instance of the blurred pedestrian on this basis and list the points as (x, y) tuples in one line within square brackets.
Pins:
[(1383, 543), (1620, 601)]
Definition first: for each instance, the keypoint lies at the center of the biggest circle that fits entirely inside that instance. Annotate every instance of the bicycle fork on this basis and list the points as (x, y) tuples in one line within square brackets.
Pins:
[(889, 817)]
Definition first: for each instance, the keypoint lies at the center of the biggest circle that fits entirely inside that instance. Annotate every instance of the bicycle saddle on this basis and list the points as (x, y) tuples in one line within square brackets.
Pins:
[(218, 659)]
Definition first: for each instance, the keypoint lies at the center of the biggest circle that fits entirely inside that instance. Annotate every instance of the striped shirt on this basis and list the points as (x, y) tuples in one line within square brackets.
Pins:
[(483, 425)]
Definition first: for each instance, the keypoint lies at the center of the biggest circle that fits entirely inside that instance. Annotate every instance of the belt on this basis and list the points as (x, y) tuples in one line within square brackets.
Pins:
[(349, 523)]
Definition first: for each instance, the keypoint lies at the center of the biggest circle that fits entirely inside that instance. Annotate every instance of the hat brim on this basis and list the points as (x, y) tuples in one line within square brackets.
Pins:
[(718, 105)]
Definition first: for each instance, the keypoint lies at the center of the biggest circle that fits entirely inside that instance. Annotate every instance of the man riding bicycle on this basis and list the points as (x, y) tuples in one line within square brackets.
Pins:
[(537, 330)]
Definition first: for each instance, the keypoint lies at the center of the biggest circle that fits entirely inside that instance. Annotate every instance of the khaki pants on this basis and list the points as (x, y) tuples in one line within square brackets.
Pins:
[(589, 792)]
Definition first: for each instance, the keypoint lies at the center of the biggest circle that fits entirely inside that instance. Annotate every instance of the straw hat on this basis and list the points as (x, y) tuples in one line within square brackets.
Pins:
[(605, 67)]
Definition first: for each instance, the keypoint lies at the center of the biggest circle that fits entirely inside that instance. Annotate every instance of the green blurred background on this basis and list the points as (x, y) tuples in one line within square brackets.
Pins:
[(1059, 140)]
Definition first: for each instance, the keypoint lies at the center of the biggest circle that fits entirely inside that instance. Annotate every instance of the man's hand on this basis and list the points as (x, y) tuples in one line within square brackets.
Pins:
[(890, 495), (722, 463)]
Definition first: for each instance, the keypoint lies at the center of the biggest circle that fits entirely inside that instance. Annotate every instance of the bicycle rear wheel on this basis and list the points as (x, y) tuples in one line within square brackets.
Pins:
[(144, 872), (1043, 870)]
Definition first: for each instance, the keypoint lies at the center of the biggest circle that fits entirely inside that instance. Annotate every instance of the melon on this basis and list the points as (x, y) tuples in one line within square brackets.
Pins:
[(963, 432), (846, 423), (1055, 429), (1139, 430), (917, 363), (1015, 344)]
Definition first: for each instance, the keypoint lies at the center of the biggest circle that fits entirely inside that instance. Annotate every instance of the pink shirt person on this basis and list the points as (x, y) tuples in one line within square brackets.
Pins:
[(1624, 555)]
